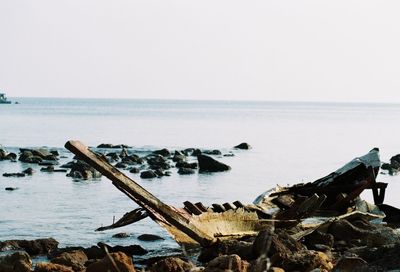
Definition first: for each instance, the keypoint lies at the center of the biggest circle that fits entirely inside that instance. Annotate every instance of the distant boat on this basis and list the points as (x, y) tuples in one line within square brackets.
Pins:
[(3, 99)]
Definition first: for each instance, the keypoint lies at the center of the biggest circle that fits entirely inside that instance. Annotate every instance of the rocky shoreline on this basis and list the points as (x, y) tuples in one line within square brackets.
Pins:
[(348, 241)]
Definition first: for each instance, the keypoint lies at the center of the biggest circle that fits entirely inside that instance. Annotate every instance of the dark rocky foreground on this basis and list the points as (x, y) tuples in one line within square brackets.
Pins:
[(345, 245)]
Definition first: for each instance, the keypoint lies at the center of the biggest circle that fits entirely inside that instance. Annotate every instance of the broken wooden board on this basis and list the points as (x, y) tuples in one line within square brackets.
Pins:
[(128, 218)]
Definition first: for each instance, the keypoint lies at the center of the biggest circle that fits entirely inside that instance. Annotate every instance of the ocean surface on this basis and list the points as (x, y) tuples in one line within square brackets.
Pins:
[(291, 142)]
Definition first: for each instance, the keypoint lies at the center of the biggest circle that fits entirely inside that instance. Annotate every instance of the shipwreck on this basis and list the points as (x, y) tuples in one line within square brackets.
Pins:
[(333, 196)]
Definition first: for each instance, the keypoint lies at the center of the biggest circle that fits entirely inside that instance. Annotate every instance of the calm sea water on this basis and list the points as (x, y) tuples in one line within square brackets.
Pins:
[(292, 142)]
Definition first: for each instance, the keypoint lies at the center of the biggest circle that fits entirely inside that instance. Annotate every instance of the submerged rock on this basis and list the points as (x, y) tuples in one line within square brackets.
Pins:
[(208, 164), (149, 237), (29, 171), (11, 188), (15, 175), (121, 235), (186, 171), (82, 170)]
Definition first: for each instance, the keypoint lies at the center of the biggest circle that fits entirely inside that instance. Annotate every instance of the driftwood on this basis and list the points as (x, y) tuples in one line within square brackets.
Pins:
[(127, 219), (186, 228)]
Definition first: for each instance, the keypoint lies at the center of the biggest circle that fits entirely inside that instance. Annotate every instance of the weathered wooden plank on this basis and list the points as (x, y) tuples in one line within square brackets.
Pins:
[(142, 197), (218, 208), (229, 206), (192, 208), (201, 207)]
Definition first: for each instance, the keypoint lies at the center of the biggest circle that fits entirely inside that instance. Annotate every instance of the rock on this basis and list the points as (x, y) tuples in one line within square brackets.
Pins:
[(184, 164), (148, 174), (227, 263), (14, 175), (48, 163), (121, 235), (124, 153), (244, 146), (3, 154), (94, 252), (50, 267), (244, 249), (134, 170), (16, 262), (178, 157), (28, 157), (28, 171), (32, 247), (185, 171), (171, 264), (55, 153), (121, 165), (305, 260), (212, 152), (163, 152), (346, 264), (229, 155), (11, 157), (158, 162), (48, 169), (112, 146), (208, 164), (130, 250), (196, 152), (11, 188), (122, 261), (149, 237), (82, 170), (75, 259), (132, 160)]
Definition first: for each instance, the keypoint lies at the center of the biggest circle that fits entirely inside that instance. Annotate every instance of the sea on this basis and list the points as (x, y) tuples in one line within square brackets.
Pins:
[(291, 142)]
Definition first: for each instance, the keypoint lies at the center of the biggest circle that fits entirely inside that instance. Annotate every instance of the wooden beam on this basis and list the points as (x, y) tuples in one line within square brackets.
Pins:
[(155, 207)]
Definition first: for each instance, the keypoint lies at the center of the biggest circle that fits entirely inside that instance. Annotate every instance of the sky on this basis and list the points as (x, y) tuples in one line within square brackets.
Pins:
[(294, 50)]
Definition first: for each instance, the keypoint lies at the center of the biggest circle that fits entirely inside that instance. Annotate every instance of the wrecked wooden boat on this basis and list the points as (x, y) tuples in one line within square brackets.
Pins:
[(282, 207)]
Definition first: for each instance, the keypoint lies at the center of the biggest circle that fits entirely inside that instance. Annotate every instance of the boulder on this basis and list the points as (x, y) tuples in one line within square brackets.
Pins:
[(82, 170), (132, 160), (196, 152), (120, 259), (224, 263), (186, 171), (208, 164), (48, 169), (16, 262), (305, 260), (148, 174), (11, 157), (134, 170), (32, 247), (112, 146), (158, 162), (149, 237), (121, 235), (171, 264), (178, 157), (163, 152), (28, 157), (28, 171), (212, 152), (184, 164), (244, 249), (3, 154), (130, 250), (121, 165), (75, 259), (244, 146), (50, 267)]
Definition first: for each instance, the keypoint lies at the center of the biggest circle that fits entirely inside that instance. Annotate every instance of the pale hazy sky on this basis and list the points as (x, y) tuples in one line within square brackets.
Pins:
[(253, 50)]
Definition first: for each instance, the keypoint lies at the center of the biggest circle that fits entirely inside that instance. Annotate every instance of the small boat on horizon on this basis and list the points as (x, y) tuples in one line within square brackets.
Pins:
[(3, 99)]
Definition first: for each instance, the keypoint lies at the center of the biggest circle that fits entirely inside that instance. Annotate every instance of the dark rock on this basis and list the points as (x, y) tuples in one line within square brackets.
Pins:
[(75, 259), (352, 264), (134, 170), (244, 146), (48, 169), (130, 250), (384, 257), (48, 163), (32, 247), (149, 237), (15, 175), (3, 154), (178, 157), (121, 235), (50, 267), (185, 171), (132, 160), (305, 260), (159, 173), (94, 252), (229, 155), (242, 248), (171, 264), (11, 157), (163, 152), (196, 152), (113, 156), (68, 165), (122, 261), (112, 146), (55, 153), (208, 164), (28, 171), (11, 188), (16, 262), (124, 153), (212, 152), (28, 157), (148, 174), (82, 170), (121, 165), (227, 263), (192, 165), (158, 162)]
